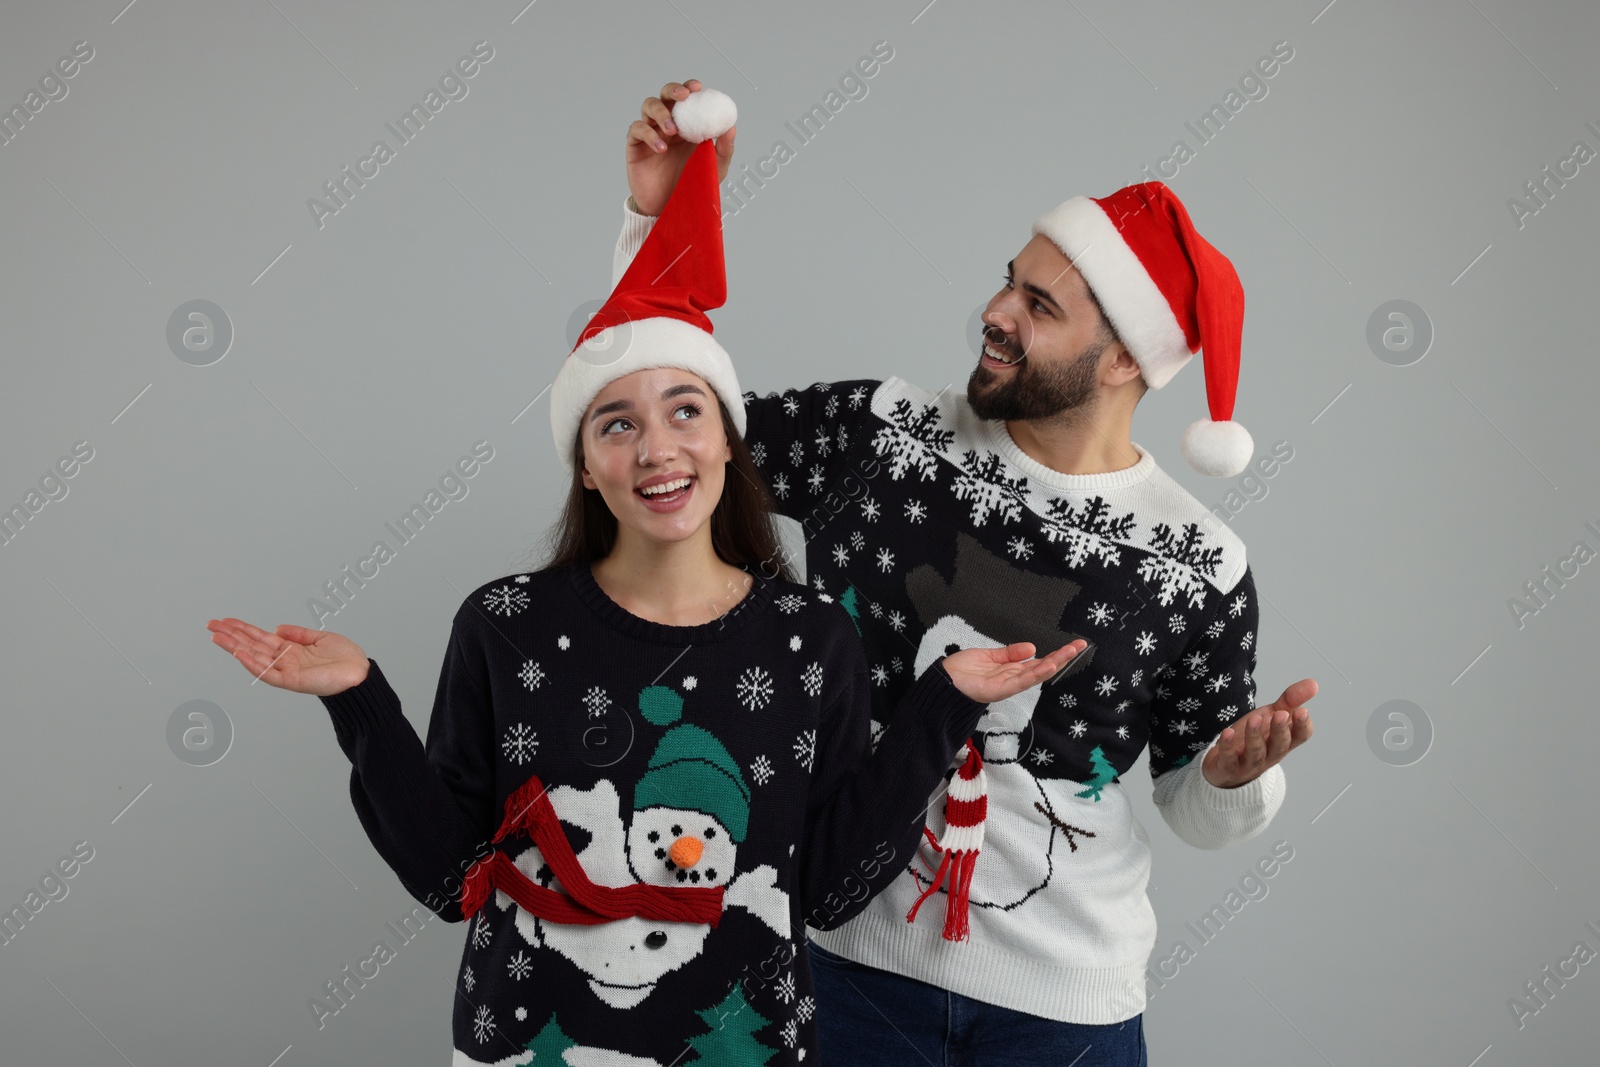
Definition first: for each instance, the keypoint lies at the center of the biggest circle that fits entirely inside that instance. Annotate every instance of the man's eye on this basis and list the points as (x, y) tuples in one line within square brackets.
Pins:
[(1036, 303)]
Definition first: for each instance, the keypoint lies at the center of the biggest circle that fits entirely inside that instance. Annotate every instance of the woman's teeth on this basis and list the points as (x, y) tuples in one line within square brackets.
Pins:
[(665, 488)]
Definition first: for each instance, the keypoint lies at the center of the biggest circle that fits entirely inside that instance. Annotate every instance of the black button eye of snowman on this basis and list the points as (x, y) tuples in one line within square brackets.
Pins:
[(711, 831), (951, 649), (653, 836), (677, 831), (655, 939)]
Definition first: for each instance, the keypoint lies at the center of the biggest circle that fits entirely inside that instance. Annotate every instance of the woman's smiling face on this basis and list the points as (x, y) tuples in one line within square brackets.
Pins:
[(649, 429)]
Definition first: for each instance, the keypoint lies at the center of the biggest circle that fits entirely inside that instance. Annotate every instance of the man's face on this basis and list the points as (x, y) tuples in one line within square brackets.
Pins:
[(1044, 321)]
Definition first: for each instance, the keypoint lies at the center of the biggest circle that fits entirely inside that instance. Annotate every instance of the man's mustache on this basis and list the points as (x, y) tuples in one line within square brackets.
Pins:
[(997, 339)]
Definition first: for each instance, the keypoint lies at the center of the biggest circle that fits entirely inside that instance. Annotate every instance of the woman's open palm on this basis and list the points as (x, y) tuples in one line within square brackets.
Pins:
[(990, 674), (318, 662)]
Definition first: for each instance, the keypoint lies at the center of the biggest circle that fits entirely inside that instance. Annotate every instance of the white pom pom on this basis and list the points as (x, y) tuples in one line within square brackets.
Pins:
[(1218, 449), (704, 114)]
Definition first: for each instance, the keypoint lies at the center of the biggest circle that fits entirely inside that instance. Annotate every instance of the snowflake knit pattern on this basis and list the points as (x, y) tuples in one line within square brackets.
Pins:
[(706, 790), (935, 530)]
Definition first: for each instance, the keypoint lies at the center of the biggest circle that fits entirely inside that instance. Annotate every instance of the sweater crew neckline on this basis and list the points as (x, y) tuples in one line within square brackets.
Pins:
[(999, 438), (617, 617)]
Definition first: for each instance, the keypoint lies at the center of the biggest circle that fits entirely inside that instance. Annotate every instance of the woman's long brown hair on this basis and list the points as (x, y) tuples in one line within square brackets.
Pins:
[(742, 529)]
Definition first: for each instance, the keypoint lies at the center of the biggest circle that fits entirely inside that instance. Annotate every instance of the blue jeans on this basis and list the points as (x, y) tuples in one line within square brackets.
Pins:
[(868, 1016)]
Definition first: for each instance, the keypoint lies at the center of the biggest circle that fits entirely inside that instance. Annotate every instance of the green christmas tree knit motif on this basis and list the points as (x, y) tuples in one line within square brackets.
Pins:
[(731, 1042), (1103, 773), (848, 602), (548, 1045)]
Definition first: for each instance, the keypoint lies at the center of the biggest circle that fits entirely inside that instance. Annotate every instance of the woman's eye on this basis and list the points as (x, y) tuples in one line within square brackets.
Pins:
[(693, 409)]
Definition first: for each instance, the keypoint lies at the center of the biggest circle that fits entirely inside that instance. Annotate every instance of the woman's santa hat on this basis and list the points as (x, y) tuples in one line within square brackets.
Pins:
[(1168, 293), (656, 315)]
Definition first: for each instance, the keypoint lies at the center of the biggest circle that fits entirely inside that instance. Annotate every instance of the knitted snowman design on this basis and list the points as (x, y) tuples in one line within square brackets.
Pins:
[(690, 811), (997, 837)]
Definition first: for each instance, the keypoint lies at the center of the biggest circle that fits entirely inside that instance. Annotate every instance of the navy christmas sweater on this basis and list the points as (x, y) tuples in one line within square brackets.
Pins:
[(707, 792)]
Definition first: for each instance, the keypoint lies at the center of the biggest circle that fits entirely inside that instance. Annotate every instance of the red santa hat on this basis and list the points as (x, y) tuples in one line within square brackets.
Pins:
[(656, 315), (1168, 293)]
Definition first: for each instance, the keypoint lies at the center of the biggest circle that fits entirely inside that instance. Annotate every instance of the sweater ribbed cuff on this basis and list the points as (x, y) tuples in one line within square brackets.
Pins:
[(1237, 798), (1252, 796), (369, 708), (1208, 816), (956, 713), (635, 228)]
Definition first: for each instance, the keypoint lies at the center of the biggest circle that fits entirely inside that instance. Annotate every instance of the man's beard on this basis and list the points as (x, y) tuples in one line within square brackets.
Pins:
[(1037, 391)]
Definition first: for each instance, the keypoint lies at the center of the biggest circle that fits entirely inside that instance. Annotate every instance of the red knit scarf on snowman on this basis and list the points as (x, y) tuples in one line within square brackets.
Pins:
[(966, 805), (585, 903)]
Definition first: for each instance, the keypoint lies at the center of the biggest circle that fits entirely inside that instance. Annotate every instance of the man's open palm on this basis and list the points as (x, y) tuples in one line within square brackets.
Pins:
[(990, 674), (1253, 743)]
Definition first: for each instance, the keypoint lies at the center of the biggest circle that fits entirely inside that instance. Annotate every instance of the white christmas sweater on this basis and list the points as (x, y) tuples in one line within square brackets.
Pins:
[(935, 530)]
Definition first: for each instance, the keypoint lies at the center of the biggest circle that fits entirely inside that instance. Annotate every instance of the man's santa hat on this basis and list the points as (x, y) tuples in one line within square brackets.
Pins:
[(1168, 293), (656, 315)]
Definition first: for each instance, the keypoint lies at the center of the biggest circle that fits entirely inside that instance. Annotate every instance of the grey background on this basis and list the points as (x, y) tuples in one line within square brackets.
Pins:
[(430, 313)]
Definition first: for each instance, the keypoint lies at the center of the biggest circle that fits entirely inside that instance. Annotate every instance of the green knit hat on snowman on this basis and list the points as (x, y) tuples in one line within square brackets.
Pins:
[(690, 769)]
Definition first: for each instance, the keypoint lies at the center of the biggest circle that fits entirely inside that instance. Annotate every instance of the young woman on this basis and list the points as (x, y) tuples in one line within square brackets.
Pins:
[(649, 763)]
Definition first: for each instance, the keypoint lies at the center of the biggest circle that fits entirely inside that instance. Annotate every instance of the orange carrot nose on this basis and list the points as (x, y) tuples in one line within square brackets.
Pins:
[(685, 851)]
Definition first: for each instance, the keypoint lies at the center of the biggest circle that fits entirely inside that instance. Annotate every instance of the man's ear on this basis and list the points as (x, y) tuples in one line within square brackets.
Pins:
[(1124, 367)]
